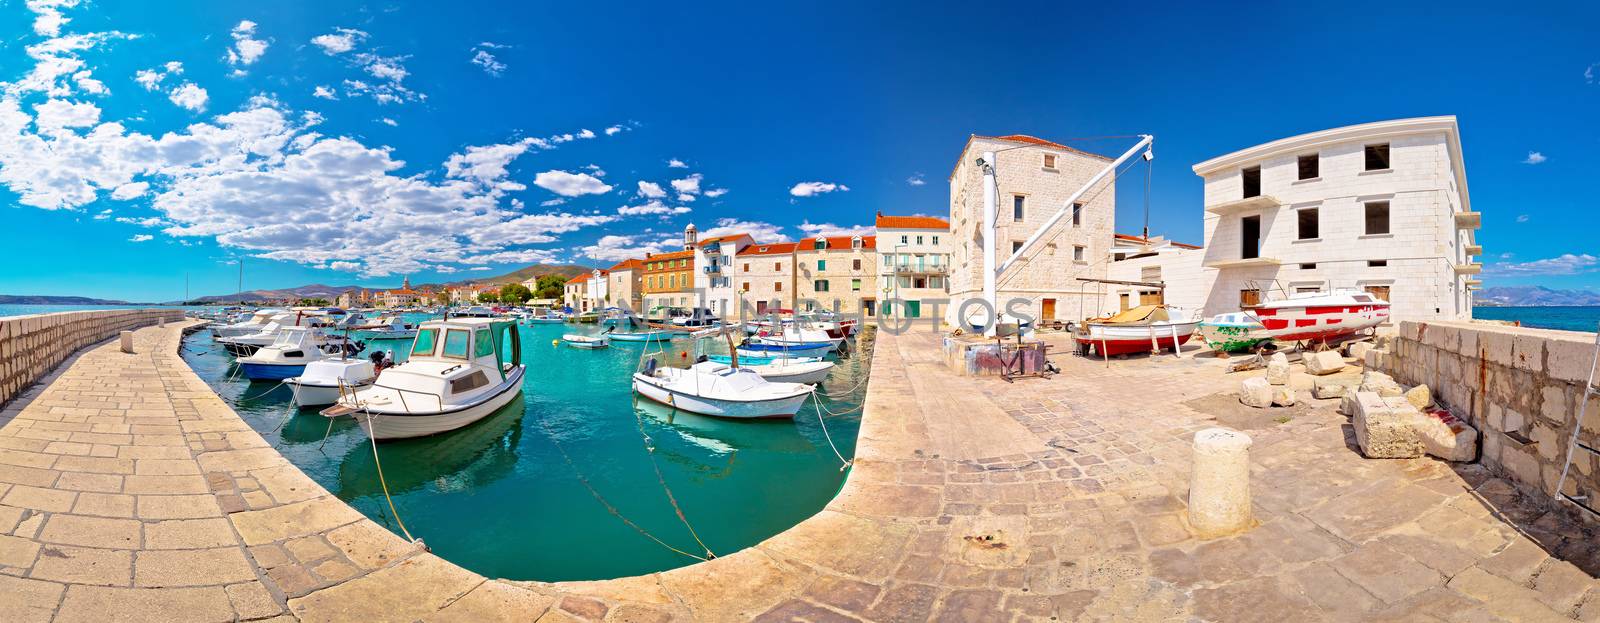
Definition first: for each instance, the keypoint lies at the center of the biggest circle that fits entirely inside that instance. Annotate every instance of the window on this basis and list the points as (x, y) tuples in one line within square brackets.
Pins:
[(1381, 292), (1377, 217), (1016, 246), (484, 344), (1378, 157), (1309, 266), (1078, 252), (1049, 161), (905, 239), (855, 285), (1377, 263), (822, 264), (1017, 204), (1307, 290), (455, 343), (935, 240), (855, 264), (1249, 298), (888, 259), (919, 239), (936, 282), (820, 285), (1252, 182), (1077, 214), (425, 342), (820, 245), (777, 266), (745, 286), (1308, 223), (1309, 165), (747, 267), (777, 286)]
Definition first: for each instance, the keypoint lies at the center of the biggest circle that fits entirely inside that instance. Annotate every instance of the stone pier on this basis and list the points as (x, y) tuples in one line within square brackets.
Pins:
[(130, 491)]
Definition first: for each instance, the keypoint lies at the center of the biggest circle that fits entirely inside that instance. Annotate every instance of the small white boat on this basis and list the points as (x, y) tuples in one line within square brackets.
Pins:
[(792, 370), (389, 328), (642, 336), (1320, 316), (322, 381), (710, 388), (545, 319), (288, 355), (586, 341), (254, 324), (458, 373)]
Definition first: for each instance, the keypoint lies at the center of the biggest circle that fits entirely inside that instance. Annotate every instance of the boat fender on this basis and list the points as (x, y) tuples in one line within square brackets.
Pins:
[(683, 355), (555, 342)]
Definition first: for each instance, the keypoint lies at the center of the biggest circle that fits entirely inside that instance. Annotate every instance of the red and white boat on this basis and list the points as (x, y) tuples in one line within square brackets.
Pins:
[(1320, 316), (1143, 329)]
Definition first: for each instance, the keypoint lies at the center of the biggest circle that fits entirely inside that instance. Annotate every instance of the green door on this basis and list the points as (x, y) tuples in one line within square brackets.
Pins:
[(913, 309)]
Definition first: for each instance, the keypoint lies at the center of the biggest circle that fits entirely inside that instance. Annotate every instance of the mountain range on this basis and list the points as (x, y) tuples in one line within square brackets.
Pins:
[(24, 299), (1534, 296), (320, 291)]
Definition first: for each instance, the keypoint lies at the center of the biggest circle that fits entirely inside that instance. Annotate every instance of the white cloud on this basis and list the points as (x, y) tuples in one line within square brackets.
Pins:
[(388, 122), (54, 116), (586, 133), (686, 198), (652, 207), (151, 79), (548, 203), (689, 185), (571, 184), (759, 230), (613, 130), (128, 191), (341, 40), (1589, 73), (103, 215), (88, 84), (813, 230), (1522, 218), (651, 190), (141, 238), (324, 92), (809, 189), (190, 96), (246, 48), (716, 192), (342, 266), (1534, 158), (488, 62), (916, 180), (48, 19), (57, 68), (676, 164), (1565, 264), (615, 248)]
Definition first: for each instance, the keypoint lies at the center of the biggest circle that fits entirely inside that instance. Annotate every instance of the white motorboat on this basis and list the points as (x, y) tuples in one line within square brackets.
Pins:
[(321, 383), (389, 328), (287, 355), (1318, 316), (254, 324), (457, 375), (804, 337), (809, 372), (586, 341), (711, 388)]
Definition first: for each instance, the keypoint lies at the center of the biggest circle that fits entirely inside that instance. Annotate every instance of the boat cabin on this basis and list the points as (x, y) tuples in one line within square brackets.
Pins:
[(457, 356)]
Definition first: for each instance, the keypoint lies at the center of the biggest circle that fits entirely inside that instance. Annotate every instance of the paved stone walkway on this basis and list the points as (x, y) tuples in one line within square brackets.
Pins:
[(130, 491)]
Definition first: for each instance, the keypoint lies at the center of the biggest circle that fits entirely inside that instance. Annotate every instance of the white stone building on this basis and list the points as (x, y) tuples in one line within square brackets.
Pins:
[(1381, 207), (714, 274), (838, 273), (914, 264), (1035, 178)]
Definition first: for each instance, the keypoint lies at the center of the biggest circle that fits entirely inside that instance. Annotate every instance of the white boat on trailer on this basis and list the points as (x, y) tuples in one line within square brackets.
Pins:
[(457, 375)]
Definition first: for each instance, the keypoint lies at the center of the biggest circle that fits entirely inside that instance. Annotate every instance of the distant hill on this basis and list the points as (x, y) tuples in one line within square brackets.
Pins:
[(1535, 296), (13, 299), (319, 291)]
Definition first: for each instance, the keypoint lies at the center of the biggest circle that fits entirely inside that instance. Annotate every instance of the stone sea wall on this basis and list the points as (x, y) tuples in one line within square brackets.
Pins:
[(32, 346), (1521, 388)]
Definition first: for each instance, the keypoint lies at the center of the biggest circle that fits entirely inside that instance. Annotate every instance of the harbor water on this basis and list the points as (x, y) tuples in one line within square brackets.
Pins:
[(1563, 318), (540, 490)]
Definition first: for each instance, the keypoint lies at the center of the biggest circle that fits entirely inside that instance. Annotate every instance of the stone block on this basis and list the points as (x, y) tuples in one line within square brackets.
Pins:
[(1527, 351), (1497, 346), (1300, 381), (1384, 432), (1283, 396), (1255, 392), (1358, 351), (1445, 436), (1347, 402), (1376, 359), (1324, 363), (1419, 396), (1326, 388), (1569, 359), (1278, 369), (1379, 383)]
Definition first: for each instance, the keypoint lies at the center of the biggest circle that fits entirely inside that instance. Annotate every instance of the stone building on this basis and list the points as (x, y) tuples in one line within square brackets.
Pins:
[(914, 265), (404, 296), (714, 272), (1035, 177), (624, 285), (575, 293), (668, 280), (838, 273), (765, 278)]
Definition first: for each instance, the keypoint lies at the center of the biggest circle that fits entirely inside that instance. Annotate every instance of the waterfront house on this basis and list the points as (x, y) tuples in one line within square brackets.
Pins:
[(765, 276), (713, 271), (1035, 177), (915, 262), (574, 293), (668, 278), (624, 285), (402, 297), (838, 273)]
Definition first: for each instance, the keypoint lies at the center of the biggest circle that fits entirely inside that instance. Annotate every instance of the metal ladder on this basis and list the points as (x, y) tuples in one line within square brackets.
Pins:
[(1589, 390)]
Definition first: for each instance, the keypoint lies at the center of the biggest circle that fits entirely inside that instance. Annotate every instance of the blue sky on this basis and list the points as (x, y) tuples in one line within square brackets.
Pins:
[(438, 144)]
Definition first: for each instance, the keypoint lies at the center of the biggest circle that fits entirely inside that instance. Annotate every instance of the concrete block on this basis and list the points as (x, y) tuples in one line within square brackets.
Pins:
[(1569, 359), (1283, 396), (1469, 341), (1323, 363), (1555, 406), (1347, 402), (1445, 436), (1497, 346), (1379, 383), (1527, 351), (1278, 369), (1358, 351), (1376, 359), (1219, 483), (1256, 392), (1419, 396), (1326, 388), (1383, 432)]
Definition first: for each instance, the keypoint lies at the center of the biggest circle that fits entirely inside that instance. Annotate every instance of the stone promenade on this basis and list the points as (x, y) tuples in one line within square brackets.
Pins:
[(130, 492)]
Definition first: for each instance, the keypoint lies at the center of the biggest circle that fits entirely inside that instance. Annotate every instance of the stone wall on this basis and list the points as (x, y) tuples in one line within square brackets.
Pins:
[(1521, 388), (32, 346)]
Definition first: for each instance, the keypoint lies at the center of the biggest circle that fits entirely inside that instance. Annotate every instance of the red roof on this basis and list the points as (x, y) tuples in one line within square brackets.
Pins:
[(1140, 240), (582, 277), (631, 264), (776, 248), (911, 222), (1023, 138), (843, 242), (674, 255)]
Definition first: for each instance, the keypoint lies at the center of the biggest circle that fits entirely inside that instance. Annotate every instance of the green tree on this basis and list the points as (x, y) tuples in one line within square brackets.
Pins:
[(489, 297), (515, 293), (307, 302), (441, 297), (551, 287)]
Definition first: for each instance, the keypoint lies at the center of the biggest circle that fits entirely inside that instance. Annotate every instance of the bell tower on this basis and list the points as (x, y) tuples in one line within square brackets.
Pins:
[(690, 235)]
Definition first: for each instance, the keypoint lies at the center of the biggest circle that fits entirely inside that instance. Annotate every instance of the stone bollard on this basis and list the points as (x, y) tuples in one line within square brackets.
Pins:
[(127, 341), (161, 322), (1219, 486)]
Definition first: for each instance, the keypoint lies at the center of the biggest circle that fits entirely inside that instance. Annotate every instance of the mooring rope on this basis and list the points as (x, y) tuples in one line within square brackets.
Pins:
[(817, 402), (601, 499), (651, 451), (269, 390), (381, 480)]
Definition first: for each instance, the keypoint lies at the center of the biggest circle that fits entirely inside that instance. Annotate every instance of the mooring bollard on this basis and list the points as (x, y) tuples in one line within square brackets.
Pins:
[(1219, 486), (127, 341), (161, 322)]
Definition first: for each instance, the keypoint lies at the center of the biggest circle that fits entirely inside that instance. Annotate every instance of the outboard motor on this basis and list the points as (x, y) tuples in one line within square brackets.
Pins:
[(650, 367)]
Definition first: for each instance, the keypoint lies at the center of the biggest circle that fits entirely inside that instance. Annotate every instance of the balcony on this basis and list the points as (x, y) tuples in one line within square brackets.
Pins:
[(1469, 220), (1470, 268), (1474, 284), (940, 269), (1259, 202), (1473, 249), (1244, 263), (712, 269)]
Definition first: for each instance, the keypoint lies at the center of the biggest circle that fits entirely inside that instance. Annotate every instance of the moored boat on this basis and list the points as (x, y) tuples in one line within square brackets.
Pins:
[(287, 356), (321, 382), (1232, 332), (715, 389), (642, 336), (754, 348), (586, 341)]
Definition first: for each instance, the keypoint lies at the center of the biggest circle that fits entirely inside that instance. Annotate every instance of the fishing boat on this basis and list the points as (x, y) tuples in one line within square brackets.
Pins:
[(1232, 332), (715, 389), (321, 382), (1319, 316), (287, 356), (755, 348), (1143, 329), (389, 328), (808, 371), (254, 324), (457, 375), (586, 341), (756, 361), (641, 336)]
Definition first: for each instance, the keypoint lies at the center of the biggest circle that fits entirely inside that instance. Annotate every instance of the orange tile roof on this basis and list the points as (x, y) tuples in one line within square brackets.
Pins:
[(629, 264), (582, 277), (1023, 138), (843, 242), (776, 248), (910, 222), (674, 255)]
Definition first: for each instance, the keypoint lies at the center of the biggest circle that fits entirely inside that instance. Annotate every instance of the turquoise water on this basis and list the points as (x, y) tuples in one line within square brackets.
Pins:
[(500, 497), (1564, 318)]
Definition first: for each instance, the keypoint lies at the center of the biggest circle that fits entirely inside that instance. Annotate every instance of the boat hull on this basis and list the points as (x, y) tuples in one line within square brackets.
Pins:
[(1109, 339), (384, 426), (777, 350), (662, 336), (1231, 337), (389, 335), (311, 395), (756, 409), (270, 371), (799, 373)]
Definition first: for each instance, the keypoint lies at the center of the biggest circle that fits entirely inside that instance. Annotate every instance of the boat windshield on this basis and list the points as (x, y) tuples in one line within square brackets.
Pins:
[(287, 338), (425, 342), (485, 345), (455, 343)]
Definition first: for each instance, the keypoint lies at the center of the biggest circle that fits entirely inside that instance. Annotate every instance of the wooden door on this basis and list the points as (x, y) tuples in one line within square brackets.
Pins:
[(1125, 299), (1249, 298), (1047, 309)]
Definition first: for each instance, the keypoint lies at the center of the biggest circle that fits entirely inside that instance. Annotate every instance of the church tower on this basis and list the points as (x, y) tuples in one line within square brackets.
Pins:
[(690, 235)]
